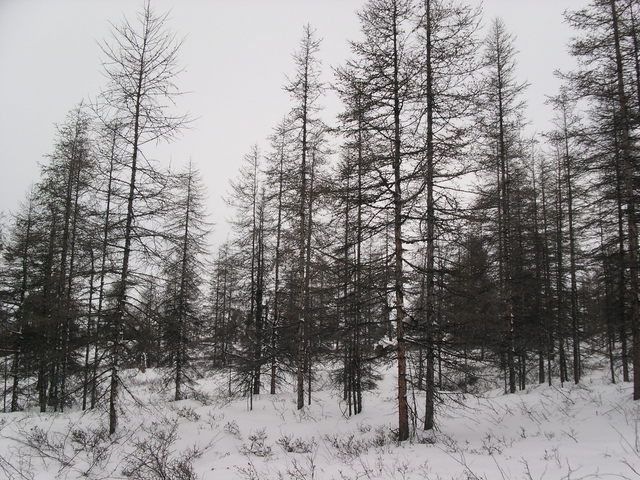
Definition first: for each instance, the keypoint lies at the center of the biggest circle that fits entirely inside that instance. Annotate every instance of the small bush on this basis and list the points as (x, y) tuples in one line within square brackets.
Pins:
[(189, 413), (203, 397), (426, 439), (347, 446), (232, 429), (364, 427), (46, 445), (258, 445), (382, 437), (296, 445), (83, 449), (95, 443), (153, 459)]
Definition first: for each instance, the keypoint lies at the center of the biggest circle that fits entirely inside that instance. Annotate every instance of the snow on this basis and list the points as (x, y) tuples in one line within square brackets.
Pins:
[(571, 432)]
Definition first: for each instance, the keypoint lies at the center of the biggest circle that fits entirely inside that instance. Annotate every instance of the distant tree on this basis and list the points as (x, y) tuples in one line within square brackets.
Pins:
[(224, 301), (279, 180), (248, 225), (352, 178), (74, 152), (19, 262), (109, 166), (184, 270), (471, 298), (45, 276), (570, 167)]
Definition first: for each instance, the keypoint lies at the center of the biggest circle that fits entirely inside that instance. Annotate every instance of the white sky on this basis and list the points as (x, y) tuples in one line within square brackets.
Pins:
[(236, 54)]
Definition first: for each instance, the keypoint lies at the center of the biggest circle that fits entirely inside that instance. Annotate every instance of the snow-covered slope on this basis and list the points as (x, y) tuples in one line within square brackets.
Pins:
[(575, 432)]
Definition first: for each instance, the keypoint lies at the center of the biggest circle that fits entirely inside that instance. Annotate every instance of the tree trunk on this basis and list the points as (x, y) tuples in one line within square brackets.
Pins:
[(302, 314), (403, 411), (103, 268), (632, 227), (430, 266)]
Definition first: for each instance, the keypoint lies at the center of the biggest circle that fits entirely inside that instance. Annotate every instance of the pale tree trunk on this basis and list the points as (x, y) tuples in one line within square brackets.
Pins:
[(430, 267), (87, 349), (546, 262), (307, 283), (276, 286), (67, 301), (259, 298), (103, 268), (62, 308), (403, 410), (560, 327), (302, 214), (181, 350)]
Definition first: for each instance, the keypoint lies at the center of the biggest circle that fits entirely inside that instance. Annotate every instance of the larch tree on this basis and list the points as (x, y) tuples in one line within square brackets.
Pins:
[(19, 269), (305, 89), (141, 66), (109, 163), (248, 242), (501, 126), (350, 194), (65, 180), (608, 73), (565, 140), (184, 270), (447, 39), (224, 302), (383, 63), (279, 175)]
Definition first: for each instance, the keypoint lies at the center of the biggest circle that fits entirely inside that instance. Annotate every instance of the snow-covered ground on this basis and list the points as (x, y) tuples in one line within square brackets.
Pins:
[(575, 432)]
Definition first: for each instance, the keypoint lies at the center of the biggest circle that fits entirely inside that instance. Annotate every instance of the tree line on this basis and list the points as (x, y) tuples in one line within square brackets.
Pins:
[(424, 226)]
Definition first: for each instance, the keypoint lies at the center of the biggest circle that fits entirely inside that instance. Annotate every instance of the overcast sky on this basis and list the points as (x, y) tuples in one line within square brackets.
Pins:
[(236, 54)]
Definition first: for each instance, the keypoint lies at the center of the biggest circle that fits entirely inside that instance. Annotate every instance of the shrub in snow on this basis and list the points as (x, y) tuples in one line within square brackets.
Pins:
[(153, 459), (189, 413), (232, 429), (364, 427), (296, 445), (201, 396), (382, 437), (83, 450), (257, 445), (94, 442), (347, 446)]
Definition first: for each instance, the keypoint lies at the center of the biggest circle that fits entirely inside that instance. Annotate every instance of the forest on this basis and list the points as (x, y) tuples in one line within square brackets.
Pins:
[(423, 234)]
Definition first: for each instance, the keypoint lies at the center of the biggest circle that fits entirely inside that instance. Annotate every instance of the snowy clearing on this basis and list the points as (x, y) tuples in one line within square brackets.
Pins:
[(576, 432)]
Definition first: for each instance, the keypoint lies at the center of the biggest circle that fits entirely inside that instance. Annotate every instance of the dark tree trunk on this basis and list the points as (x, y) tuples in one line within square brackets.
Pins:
[(632, 227)]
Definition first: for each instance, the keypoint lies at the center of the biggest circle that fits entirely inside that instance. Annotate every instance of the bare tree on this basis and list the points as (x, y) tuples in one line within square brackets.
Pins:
[(305, 89), (383, 63), (141, 65), (502, 127), (607, 53)]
